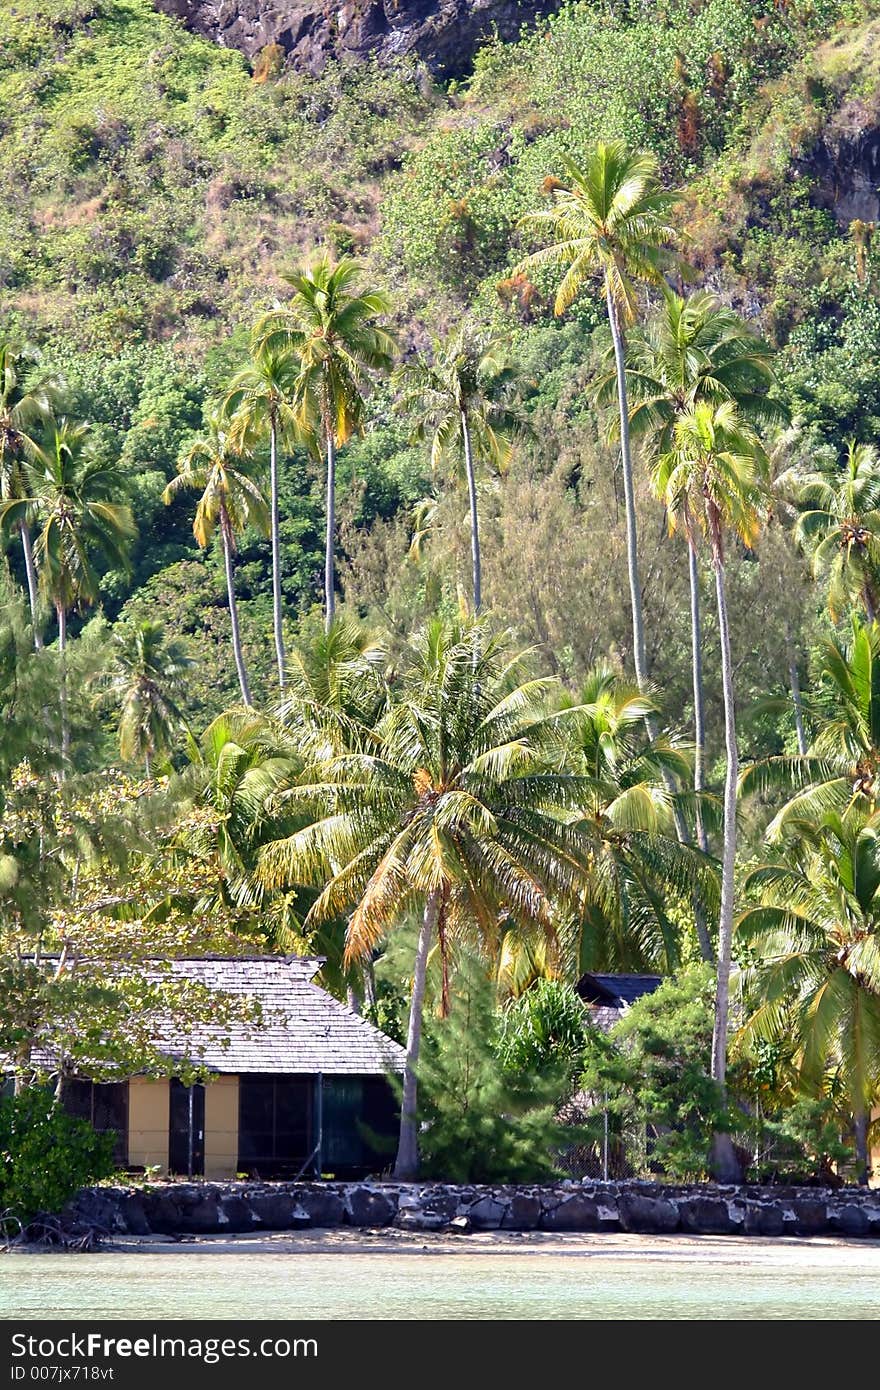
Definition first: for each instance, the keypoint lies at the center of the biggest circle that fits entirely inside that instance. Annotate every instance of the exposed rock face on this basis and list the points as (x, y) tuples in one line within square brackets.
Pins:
[(845, 163), (443, 33), (704, 1209)]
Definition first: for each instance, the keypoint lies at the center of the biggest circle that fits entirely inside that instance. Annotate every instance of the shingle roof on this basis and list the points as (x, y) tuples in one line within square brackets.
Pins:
[(616, 991), (303, 1028)]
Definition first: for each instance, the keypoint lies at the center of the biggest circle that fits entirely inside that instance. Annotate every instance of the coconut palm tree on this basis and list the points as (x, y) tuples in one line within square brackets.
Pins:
[(817, 933), (691, 350), (711, 481), (146, 682), (464, 401), (453, 819), (839, 525), (841, 767), (331, 326), (218, 466), (72, 496), (611, 225), (626, 811), (260, 401), (24, 411)]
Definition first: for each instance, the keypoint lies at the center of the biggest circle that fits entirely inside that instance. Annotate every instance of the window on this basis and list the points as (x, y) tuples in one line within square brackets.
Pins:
[(105, 1106), (275, 1124)]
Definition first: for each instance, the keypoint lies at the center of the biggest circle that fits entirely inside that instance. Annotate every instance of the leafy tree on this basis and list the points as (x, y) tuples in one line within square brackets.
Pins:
[(464, 401), (484, 1121), (46, 1156), (331, 326), (839, 523), (217, 466), (544, 1029), (611, 223), (261, 401), (453, 814), (73, 497), (711, 481), (24, 410), (816, 932), (147, 682)]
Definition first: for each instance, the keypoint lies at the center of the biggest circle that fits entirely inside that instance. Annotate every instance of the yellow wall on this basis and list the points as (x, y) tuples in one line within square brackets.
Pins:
[(148, 1118), (221, 1127)]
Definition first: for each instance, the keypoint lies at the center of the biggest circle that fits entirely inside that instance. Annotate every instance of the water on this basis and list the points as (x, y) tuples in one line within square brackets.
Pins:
[(631, 1277)]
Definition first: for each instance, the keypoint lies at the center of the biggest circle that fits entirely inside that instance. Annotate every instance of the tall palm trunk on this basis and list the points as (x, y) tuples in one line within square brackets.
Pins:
[(62, 650), (475, 519), (276, 551), (147, 768), (794, 685), (699, 742), (406, 1166), (724, 1163), (863, 1155), (30, 570), (632, 555), (330, 544), (226, 536)]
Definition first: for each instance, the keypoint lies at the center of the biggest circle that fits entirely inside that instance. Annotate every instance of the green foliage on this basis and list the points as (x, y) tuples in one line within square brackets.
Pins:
[(481, 1120), (46, 1155), (542, 1031), (653, 1070)]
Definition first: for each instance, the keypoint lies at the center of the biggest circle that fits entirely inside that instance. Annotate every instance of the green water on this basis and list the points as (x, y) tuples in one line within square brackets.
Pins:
[(651, 1280)]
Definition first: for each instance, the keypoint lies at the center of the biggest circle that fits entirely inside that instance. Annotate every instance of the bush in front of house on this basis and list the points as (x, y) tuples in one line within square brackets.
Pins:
[(46, 1156)]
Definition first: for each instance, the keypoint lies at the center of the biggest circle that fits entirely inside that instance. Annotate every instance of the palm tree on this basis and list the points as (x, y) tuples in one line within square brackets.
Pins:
[(464, 402), (453, 818), (841, 767), (71, 494), (817, 932), (146, 682), (839, 523), (711, 481), (331, 326), (611, 223), (218, 467), (261, 401), (626, 811), (693, 350), (24, 410)]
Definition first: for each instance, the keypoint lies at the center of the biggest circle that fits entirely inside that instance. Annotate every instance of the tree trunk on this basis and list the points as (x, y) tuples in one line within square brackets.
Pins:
[(226, 536), (147, 768), (475, 519), (276, 552), (863, 1155), (870, 611), (632, 557), (329, 567), (699, 742), (65, 722), (406, 1167), (724, 1163), (30, 570), (795, 688)]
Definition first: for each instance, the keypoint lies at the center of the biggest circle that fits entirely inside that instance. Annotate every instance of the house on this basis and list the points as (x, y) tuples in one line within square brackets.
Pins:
[(609, 996), (303, 1093)]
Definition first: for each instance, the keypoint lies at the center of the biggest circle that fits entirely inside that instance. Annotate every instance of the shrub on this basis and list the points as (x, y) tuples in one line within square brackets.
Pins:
[(46, 1155)]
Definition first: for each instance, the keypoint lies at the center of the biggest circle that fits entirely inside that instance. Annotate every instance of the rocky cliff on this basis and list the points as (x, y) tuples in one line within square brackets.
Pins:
[(443, 33)]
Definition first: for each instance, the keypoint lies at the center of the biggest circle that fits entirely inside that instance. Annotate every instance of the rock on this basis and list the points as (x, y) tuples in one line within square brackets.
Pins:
[(579, 1213), (442, 33), (203, 1216), (487, 1214), (523, 1212), (364, 1206), (460, 1223), (810, 1216), (421, 1221), (710, 1216), (323, 1206), (236, 1214), (653, 1214), (850, 1220), (278, 1211)]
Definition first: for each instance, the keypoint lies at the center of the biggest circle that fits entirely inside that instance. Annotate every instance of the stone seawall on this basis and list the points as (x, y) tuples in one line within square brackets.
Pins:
[(176, 1208)]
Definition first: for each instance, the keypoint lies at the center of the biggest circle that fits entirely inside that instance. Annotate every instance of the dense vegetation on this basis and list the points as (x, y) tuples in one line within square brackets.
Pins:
[(576, 359)]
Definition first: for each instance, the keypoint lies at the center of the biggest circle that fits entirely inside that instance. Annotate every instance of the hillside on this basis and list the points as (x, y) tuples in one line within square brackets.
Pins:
[(157, 185)]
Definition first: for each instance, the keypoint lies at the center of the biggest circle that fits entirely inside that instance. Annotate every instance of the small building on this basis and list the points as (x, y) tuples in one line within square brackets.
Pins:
[(608, 997), (303, 1093)]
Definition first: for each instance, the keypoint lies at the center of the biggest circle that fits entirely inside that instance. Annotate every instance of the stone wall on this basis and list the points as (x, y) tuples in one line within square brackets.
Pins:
[(174, 1208)]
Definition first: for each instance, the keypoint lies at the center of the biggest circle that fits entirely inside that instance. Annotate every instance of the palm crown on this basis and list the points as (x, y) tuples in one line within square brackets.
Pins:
[(218, 466), (840, 523)]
